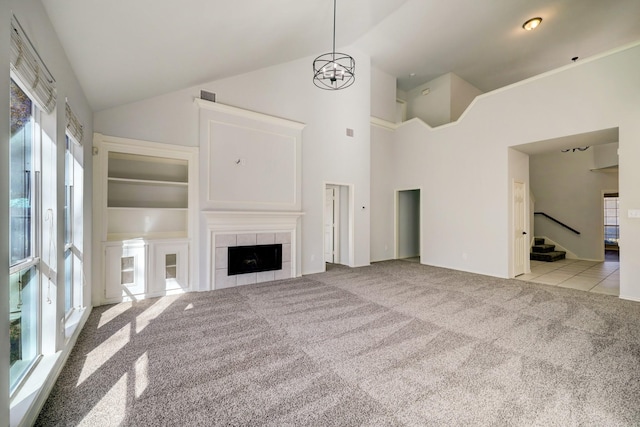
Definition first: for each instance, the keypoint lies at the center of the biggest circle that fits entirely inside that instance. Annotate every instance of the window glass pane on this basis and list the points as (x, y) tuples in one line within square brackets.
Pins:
[(611, 220), (127, 265), (23, 322), (20, 174), (68, 280), (68, 192)]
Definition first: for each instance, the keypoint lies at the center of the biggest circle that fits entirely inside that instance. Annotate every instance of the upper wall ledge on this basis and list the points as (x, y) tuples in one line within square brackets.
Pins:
[(375, 121), (240, 112)]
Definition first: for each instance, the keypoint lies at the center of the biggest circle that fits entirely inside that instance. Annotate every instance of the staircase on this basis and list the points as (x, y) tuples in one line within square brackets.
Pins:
[(540, 251)]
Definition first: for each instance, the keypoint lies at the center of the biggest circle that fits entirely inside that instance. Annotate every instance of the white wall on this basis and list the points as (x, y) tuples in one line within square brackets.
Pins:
[(382, 194), (35, 22), (605, 155), (448, 97), (464, 166), (383, 95), (567, 189), (628, 179), (435, 107), (286, 91), (462, 95)]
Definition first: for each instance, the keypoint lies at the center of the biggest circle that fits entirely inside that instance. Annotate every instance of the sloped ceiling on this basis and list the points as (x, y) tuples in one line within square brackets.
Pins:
[(123, 51)]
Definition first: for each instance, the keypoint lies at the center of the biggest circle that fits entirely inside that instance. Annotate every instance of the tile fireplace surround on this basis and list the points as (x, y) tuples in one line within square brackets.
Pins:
[(228, 229)]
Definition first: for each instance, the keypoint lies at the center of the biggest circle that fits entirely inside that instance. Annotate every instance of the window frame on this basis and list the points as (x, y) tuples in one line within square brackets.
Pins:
[(19, 372)]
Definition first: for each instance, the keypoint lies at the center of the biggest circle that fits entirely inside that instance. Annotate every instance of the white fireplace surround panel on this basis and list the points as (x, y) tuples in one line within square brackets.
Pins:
[(227, 229), (239, 150)]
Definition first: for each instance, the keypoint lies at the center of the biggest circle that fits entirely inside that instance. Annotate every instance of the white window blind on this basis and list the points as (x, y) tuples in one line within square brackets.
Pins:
[(30, 70), (73, 125)]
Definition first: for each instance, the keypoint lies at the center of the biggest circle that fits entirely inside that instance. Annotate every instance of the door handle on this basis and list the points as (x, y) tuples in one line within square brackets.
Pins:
[(524, 232)]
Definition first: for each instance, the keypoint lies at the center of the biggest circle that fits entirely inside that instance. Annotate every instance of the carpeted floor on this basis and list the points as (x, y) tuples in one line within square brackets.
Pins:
[(392, 344)]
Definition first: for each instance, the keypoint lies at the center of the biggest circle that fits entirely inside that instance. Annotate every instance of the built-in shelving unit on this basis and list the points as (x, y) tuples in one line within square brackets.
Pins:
[(144, 203), (147, 196)]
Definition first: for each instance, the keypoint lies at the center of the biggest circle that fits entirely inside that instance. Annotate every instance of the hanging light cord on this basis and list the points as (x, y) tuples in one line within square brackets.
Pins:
[(334, 30)]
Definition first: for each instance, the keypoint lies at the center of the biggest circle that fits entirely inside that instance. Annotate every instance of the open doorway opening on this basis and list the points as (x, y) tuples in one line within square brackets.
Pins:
[(337, 224), (408, 225), (569, 177)]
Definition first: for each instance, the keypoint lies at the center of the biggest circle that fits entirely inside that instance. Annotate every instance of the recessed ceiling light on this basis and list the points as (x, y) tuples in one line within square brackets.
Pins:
[(412, 75), (532, 23)]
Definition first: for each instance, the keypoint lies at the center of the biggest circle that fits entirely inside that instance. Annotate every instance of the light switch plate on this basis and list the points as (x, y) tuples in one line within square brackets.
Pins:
[(634, 213)]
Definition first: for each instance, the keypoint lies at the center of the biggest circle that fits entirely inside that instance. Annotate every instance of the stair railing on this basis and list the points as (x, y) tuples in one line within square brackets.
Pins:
[(558, 222)]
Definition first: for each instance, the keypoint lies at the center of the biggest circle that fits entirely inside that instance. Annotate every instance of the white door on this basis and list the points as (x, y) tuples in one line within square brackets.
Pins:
[(329, 223), (519, 232)]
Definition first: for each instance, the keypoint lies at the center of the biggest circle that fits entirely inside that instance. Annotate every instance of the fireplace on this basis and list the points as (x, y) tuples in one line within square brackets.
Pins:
[(231, 229), (254, 259)]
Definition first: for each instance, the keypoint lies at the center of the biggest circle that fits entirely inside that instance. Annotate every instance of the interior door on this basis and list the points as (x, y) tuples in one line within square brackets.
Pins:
[(519, 232), (329, 223)]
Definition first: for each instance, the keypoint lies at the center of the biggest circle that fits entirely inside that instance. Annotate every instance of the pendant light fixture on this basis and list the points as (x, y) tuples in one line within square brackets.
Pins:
[(333, 71)]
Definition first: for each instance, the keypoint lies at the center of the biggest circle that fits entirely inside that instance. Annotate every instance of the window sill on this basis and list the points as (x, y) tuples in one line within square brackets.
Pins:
[(31, 395)]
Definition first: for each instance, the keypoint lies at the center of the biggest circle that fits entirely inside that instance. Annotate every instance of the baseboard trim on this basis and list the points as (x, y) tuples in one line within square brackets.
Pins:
[(628, 298)]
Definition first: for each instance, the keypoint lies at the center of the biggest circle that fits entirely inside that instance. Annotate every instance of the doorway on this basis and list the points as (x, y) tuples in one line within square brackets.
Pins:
[(337, 224), (408, 224)]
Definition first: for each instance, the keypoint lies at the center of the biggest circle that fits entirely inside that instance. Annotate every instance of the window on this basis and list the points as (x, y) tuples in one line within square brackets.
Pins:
[(24, 275), (72, 227), (611, 220), (68, 227)]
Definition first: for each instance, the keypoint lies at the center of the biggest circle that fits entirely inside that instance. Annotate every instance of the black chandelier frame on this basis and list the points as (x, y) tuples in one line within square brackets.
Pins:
[(334, 70)]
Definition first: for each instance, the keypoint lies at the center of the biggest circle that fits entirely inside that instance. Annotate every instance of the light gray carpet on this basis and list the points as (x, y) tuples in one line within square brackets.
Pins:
[(396, 343)]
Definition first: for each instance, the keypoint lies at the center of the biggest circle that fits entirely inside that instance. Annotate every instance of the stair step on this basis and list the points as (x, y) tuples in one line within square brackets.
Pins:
[(543, 248), (548, 256), (538, 240)]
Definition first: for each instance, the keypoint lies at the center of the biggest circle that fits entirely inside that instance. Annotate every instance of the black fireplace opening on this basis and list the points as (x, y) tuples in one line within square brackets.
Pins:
[(253, 259)]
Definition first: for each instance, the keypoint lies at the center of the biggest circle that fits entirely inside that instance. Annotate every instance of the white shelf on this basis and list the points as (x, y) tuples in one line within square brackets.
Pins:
[(169, 235), (130, 208), (146, 194), (147, 167), (147, 181)]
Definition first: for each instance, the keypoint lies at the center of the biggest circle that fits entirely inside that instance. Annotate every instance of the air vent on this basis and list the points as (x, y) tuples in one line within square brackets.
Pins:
[(207, 96)]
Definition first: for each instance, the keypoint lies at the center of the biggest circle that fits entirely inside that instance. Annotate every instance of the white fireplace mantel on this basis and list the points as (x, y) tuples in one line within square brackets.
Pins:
[(221, 223), (251, 220)]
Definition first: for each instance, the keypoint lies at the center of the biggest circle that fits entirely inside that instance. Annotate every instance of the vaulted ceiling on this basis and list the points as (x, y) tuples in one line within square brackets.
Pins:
[(123, 51)]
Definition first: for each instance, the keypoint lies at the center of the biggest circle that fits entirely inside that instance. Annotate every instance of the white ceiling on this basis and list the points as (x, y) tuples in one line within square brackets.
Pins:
[(123, 51)]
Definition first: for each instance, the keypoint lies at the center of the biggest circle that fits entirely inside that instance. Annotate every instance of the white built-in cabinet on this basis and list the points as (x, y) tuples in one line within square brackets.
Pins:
[(144, 217)]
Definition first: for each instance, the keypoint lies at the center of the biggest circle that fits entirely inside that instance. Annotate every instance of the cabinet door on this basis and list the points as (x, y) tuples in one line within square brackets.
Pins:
[(171, 266), (125, 270)]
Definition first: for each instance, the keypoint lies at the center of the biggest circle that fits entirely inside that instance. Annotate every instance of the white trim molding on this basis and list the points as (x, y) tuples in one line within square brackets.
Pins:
[(253, 115)]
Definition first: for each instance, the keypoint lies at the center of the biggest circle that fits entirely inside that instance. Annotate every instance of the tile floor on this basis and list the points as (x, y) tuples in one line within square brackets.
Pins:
[(592, 276)]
